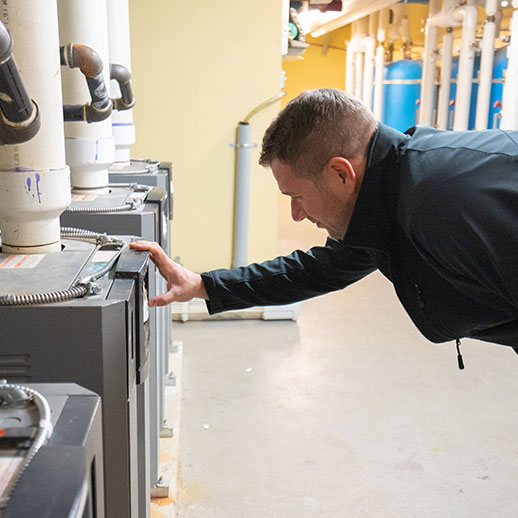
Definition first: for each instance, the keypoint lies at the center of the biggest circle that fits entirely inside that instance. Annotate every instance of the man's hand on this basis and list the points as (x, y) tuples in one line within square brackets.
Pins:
[(182, 284)]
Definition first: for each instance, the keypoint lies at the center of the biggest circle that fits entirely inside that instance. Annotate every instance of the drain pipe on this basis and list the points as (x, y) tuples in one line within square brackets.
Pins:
[(429, 56), (90, 148), (443, 104), (352, 47), (243, 147), (369, 45), (486, 66), (468, 15), (359, 57), (34, 177), (19, 116), (119, 44), (509, 97), (380, 63)]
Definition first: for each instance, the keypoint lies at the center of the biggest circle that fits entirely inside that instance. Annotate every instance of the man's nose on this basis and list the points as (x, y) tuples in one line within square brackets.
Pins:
[(297, 212)]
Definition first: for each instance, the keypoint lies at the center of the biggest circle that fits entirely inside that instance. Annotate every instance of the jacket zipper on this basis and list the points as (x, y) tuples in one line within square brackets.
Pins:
[(460, 361)]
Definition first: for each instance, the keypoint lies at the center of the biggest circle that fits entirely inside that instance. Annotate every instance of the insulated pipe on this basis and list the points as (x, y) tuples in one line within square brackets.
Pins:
[(19, 119), (119, 45), (486, 66), (443, 105), (34, 178), (90, 148), (468, 14), (510, 97), (380, 63), (429, 56), (368, 70)]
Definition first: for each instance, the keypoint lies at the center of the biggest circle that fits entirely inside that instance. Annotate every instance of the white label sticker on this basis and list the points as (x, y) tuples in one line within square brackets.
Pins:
[(22, 261), (84, 197), (104, 256)]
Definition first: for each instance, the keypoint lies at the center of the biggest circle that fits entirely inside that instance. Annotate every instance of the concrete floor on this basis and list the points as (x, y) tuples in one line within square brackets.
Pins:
[(348, 412)]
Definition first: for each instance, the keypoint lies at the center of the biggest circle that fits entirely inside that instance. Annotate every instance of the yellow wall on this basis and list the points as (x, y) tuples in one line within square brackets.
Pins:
[(199, 68), (318, 69)]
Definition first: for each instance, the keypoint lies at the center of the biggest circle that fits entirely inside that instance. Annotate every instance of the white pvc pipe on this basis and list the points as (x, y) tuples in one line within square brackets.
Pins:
[(468, 14), (90, 148), (368, 70), (443, 104), (510, 97), (34, 178), (428, 78), (359, 62), (119, 44), (486, 66), (380, 64), (352, 46)]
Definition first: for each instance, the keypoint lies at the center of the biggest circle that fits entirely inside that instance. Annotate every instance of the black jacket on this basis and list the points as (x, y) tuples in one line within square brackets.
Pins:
[(437, 214)]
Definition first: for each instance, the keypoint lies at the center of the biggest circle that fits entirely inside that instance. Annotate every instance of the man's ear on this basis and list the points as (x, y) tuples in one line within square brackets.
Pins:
[(342, 173)]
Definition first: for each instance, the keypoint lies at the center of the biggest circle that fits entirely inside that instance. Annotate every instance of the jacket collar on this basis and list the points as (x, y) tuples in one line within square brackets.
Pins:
[(374, 211)]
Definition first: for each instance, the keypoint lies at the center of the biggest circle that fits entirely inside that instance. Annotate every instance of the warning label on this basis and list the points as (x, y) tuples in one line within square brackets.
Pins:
[(21, 261), (84, 197), (103, 256)]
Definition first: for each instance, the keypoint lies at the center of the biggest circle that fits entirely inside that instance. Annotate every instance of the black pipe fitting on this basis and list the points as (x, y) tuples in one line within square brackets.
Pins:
[(123, 77), (90, 64), (19, 117)]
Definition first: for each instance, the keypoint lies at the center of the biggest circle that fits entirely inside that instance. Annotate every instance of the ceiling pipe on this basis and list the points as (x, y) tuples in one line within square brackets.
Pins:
[(510, 98), (380, 63), (486, 65), (34, 177), (354, 10)]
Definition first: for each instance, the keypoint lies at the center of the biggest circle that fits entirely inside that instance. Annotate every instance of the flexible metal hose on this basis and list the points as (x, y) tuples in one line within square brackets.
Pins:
[(101, 210), (42, 435), (83, 286)]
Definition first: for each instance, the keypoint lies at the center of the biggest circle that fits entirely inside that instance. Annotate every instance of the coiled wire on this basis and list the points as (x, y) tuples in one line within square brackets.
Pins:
[(82, 287), (42, 435)]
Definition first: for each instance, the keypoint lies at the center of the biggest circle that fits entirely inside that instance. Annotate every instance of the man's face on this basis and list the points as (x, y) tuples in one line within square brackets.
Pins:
[(325, 202)]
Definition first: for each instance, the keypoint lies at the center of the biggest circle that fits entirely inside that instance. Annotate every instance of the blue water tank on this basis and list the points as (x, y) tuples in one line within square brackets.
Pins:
[(500, 61), (474, 92), (401, 93)]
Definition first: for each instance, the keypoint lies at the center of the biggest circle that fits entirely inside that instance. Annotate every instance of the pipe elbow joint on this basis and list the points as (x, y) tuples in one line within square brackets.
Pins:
[(6, 44), (93, 114), (75, 55)]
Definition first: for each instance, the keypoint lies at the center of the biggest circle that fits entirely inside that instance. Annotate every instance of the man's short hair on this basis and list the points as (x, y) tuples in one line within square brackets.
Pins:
[(316, 126)]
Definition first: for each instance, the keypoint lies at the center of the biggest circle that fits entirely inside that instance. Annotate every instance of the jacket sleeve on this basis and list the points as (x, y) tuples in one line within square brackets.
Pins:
[(298, 276)]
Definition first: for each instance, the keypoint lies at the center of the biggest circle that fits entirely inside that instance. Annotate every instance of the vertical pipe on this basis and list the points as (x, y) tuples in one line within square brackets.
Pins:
[(486, 66), (368, 71), (244, 144), (34, 178), (443, 105), (349, 61), (90, 148), (359, 63), (427, 86), (358, 73), (510, 98), (119, 52), (469, 14), (380, 63)]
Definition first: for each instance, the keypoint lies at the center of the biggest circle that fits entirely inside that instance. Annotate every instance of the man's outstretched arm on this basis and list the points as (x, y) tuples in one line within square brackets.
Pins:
[(182, 284)]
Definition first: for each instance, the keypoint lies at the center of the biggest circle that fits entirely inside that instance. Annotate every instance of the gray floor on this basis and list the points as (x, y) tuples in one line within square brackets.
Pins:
[(348, 412)]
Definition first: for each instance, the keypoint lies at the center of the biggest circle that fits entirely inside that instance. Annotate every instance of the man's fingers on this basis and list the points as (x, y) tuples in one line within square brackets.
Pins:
[(162, 300)]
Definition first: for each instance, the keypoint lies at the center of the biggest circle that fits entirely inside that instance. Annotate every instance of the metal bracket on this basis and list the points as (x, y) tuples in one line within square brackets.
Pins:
[(246, 145)]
